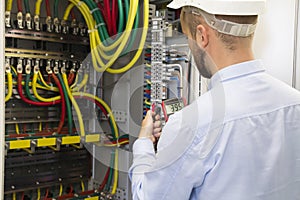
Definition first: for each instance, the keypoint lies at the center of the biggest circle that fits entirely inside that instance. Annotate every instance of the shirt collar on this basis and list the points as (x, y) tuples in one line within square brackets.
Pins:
[(236, 71)]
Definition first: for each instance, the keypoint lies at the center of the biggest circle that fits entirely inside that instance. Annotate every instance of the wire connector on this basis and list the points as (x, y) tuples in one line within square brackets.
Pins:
[(49, 24), (20, 20), (28, 67), (20, 66), (36, 21), (28, 21), (7, 19), (7, 65)]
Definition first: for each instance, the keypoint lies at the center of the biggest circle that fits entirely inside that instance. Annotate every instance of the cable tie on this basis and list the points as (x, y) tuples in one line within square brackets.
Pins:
[(90, 31), (95, 9), (100, 24), (79, 3)]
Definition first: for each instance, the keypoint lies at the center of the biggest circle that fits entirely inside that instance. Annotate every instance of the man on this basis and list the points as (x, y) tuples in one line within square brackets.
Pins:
[(238, 141)]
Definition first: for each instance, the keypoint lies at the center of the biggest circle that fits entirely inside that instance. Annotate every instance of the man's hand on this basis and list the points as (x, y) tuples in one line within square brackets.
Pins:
[(150, 129)]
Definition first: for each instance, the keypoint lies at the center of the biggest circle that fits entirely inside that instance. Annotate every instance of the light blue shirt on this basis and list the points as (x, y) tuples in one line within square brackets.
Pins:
[(238, 141)]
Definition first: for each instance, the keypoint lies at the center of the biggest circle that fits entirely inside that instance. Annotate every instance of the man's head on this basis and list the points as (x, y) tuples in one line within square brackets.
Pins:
[(218, 29)]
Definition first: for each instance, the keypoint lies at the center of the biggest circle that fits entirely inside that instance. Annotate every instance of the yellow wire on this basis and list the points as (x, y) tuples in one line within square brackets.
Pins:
[(38, 7), (36, 94), (83, 82), (76, 107), (114, 189), (67, 11), (14, 69), (9, 5), (141, 46), (60, 189), (148, 81), (75, 82), (113, 145), (14, 197), (38, 194), (82, 186), (109, 112), (44, 82), (40, 126), (96, 44), (39, 86), (17, 129), (147, 102), (9, 86)]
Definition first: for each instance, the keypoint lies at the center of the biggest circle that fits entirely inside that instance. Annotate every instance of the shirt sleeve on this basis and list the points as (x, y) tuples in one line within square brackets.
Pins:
[(152, 174)]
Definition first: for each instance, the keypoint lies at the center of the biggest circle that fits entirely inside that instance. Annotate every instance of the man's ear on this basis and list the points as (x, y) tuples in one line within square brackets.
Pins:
[(202, 36)]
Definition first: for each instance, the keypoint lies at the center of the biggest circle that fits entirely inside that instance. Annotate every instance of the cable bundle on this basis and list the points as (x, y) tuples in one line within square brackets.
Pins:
[(104, 49)]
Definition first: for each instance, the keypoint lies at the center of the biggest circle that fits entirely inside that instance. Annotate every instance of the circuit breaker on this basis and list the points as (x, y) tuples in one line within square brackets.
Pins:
[(80, 77)]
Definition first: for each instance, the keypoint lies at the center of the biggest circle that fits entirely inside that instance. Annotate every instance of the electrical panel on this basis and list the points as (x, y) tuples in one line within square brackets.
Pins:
[(80, 77)]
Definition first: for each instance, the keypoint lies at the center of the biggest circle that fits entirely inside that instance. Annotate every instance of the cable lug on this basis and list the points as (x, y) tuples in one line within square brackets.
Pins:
[(28, 21), (20, 20)]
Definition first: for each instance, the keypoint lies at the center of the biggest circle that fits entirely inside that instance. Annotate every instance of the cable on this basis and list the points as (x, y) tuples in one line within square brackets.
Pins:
[(14, 197), (76, 107), (82, 186), (9, 5), (9, 85), (121, 16), (29, 101), (69, 109), (48, 8), (38, 7), (27, 90), (67, 11), (110, 114), (114, 17), (27, 7), (55, 8), (102, 185), (50, 87), (36, 94), (38, 194), (114, 189), (141, 45), (46, 195), (83, 83), (60, 190), (19, 5), (63, 103), (110, 171)]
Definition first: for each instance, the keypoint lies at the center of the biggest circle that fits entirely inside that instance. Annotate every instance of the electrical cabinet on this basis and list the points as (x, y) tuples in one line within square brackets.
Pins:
[(79, 78)]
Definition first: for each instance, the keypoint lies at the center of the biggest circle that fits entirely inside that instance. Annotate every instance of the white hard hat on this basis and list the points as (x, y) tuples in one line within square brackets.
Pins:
[(224, 7)]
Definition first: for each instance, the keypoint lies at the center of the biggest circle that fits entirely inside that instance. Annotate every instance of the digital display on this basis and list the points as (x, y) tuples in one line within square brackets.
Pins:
[(172, 108)]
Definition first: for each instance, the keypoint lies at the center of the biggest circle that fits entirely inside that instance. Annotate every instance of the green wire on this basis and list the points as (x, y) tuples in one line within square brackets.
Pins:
[(68, 104), (56, 8), (126, 9), (133, 36), (111, 171), (27, 7), (28, 94), (121, 16)]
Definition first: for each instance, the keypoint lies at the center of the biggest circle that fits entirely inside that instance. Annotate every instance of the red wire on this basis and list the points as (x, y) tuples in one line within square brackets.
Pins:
[(29, 101), (23, 196), (71, 78), (48, 8), (46, 195), (63, 103), (108, 14), (20, 6), (73, 14), (104, 180), (114, 17)]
